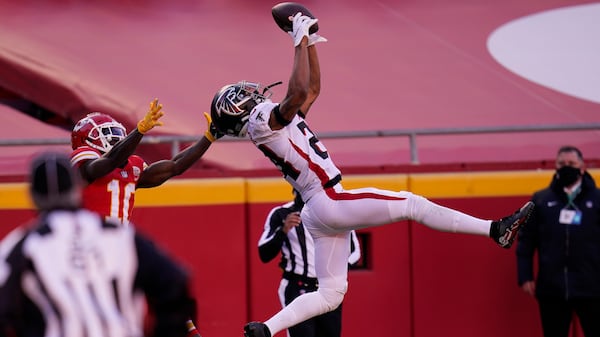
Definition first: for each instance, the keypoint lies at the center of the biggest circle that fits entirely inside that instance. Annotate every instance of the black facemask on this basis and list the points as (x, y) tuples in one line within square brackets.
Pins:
[(567, 175)]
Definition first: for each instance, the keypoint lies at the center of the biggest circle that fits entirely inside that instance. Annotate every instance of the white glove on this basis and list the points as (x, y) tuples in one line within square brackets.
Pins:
[(300, 26), (315, 38)]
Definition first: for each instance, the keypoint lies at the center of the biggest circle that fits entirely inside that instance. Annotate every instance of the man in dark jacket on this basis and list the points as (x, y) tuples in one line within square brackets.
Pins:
[(564, 229)]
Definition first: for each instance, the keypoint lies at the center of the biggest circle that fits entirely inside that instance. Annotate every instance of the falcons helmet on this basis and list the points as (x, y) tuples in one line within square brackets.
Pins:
[(97, 130), (231, 106)]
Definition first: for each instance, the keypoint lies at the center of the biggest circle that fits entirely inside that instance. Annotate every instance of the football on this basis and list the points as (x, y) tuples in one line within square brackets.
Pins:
[(284, 11)]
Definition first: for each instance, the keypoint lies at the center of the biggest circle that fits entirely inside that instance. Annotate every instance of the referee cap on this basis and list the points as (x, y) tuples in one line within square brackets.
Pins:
[(53, 182)]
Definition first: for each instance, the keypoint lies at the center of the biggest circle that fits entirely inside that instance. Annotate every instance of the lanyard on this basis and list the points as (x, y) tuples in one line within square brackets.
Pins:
[(571, 197)]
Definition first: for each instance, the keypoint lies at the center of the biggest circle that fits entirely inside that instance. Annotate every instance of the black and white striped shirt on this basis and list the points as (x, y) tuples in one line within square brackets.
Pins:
[(297, 247), (73, 275)]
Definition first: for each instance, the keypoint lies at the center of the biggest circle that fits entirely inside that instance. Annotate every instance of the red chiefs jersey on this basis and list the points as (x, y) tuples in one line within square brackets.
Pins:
[(112, 195)]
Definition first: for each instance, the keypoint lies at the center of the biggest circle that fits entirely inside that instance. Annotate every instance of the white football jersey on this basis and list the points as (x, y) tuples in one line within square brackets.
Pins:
[(295, 150)]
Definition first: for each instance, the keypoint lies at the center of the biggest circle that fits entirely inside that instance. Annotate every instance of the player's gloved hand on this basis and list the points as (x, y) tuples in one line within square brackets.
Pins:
[(315, 38), (152, 117), (300, 26), (211, 133)]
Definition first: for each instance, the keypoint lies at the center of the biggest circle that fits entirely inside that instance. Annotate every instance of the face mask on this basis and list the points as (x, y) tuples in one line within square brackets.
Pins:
[(567, 175)]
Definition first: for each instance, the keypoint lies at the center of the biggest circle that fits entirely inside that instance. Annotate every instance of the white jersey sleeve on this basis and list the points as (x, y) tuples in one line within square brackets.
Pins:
[(295, 150)]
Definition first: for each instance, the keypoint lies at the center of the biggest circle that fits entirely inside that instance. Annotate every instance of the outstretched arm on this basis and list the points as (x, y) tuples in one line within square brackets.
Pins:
[(314, 86), (117, 156), (160, 171), (299, 82)]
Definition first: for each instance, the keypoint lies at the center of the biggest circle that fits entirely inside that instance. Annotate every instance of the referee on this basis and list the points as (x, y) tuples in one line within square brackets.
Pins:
[(70, 274), (285, 233)]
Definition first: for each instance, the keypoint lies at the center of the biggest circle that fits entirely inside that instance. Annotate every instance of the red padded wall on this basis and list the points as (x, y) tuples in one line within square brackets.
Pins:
[(378, 302), (210, 241), (378, 299), (465, 285), (10, 219), (420, 282), (263, 278)]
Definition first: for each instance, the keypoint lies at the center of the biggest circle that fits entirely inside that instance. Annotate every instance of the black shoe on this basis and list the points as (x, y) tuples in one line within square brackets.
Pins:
[(504, 231), (256, 329)]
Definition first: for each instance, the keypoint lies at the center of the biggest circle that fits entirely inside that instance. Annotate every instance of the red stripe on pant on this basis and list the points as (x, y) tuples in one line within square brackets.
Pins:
[(333, 195)]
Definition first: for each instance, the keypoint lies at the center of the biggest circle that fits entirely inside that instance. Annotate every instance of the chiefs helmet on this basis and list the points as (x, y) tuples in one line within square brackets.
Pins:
[(231, 106), (97, 130)]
